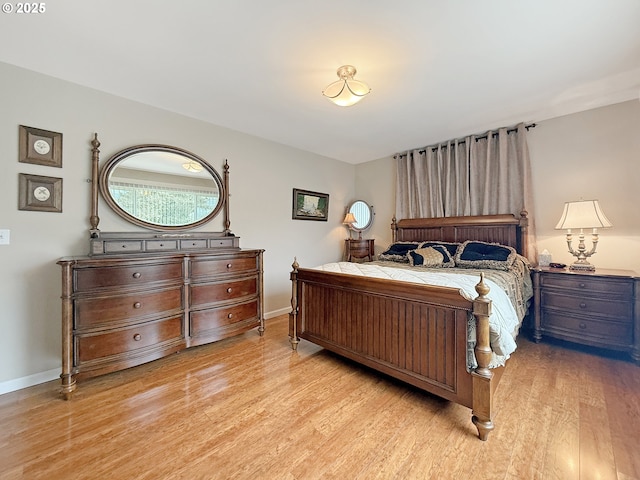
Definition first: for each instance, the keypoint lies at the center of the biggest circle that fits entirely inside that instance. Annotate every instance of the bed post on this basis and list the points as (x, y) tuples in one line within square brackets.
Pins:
[(394, 230), (482, 389), (524, 233), (293, 316)]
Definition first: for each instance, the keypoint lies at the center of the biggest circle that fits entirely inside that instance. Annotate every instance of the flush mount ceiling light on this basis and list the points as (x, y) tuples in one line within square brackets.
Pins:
[(346, 91), (193, 167)]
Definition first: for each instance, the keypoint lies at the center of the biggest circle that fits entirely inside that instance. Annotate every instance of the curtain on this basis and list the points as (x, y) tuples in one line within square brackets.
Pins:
[(484, 174)]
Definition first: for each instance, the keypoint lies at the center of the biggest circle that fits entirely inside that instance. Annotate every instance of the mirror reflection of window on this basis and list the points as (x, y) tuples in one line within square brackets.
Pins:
[(363, 213), (163, 188)]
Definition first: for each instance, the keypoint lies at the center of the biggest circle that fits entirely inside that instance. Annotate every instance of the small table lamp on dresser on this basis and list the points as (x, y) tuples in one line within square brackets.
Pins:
[(581, 215)]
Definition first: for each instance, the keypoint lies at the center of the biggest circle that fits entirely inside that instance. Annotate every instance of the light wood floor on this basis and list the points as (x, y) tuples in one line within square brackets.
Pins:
[(251, 408)]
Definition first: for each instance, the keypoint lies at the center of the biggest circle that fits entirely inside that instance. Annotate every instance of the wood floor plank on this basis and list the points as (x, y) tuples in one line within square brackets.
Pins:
[(251, 408)]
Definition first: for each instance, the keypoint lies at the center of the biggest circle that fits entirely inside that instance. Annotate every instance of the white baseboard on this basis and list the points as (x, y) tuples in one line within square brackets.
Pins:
[(277, 313), (30, 381), (42, 377)]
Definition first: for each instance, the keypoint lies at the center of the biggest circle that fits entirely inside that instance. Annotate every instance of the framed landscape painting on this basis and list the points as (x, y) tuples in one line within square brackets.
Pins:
[(310, 205)]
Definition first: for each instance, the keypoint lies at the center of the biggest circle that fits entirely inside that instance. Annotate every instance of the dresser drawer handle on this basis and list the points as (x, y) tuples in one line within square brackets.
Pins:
[(137, 337), (583, 326), (229, 265), (229, 290), (230, 316), (583, 305), (137, 305), (137, 275)]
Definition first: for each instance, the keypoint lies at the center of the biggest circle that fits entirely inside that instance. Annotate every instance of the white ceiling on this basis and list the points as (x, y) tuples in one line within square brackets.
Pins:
[(437, 69)]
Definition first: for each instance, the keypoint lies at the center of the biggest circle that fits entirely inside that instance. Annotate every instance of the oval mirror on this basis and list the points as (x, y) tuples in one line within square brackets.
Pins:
[(162, 188), (363, 213)]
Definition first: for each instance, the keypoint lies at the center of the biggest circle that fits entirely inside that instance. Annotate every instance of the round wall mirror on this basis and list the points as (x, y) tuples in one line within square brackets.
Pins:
[(363, 213), (162, 188)]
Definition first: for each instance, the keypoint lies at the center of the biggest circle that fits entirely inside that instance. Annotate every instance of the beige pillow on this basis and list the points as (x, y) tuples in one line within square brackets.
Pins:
[(426, 257)]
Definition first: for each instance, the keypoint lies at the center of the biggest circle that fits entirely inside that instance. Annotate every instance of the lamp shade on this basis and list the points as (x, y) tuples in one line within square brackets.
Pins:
[(346, 91), (583, 214), (349, 219)]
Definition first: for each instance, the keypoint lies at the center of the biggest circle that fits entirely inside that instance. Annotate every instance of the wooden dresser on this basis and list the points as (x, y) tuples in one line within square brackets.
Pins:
[(121, 311), (600, 309)]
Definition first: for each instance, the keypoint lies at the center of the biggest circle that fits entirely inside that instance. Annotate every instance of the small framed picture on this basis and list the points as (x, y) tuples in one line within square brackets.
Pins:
[(310, 205), (39, 193), (41, 147)]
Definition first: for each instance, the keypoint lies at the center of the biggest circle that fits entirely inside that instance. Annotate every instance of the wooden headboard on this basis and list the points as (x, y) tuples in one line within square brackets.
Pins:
[(504, 229)]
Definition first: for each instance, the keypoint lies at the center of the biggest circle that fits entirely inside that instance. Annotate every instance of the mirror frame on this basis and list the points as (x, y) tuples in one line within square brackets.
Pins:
[(371, 214), (100, 179)]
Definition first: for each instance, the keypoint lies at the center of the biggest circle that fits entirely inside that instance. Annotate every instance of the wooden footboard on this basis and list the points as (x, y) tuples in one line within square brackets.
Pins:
[(415, 333)]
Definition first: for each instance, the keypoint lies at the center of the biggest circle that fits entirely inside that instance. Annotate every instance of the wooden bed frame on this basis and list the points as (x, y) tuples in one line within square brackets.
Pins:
[(412, 332)]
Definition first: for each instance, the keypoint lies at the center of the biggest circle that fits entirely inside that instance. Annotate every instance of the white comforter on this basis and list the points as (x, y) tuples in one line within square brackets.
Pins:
[(503, 323)]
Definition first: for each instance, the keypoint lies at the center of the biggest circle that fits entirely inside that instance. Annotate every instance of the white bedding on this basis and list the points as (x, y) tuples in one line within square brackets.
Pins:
[(503, 323)]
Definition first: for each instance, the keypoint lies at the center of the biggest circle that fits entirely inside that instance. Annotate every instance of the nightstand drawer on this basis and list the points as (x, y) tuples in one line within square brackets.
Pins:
[(587, 306), (595, 285), (607, 331)]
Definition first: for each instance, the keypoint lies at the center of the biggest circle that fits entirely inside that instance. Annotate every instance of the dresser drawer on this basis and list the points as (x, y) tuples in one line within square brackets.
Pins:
[(607, 331), (201, 268), (102, 277), (587, 306), (117, 246), (161, 245), (92, 312), (117, 342), (204, 294), (193, 244), (204, 320), (595, 285)]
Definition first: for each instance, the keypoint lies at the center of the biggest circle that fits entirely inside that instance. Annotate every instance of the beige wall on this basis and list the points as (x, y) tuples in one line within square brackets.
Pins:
[(262, 176), (591, 155)]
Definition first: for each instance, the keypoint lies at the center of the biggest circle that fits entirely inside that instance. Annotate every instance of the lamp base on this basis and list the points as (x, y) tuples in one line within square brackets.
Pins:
[(582, 266)]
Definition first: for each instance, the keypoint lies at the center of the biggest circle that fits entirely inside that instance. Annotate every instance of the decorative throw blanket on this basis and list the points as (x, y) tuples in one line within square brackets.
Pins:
[(509, 293)]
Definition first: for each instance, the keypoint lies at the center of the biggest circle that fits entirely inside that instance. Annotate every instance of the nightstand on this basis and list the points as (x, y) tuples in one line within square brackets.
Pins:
[(359, 248), (599, 309)]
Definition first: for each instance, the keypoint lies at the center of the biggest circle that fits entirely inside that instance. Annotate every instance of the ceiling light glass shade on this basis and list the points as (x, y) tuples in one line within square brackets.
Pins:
[(193, 167), (583, 214), (346, 91)]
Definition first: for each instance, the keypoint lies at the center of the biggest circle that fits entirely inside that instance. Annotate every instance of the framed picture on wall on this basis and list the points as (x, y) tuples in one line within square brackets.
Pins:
[(41, 147), (43, 194), (310, 205)]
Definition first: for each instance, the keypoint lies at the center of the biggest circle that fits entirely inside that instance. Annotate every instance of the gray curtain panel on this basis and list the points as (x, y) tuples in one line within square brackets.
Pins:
[(484, 174)]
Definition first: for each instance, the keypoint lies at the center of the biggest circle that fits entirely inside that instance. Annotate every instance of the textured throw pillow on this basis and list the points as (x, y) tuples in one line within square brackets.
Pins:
[(436, 256), (452, 248), (472, 254), (397, 252)]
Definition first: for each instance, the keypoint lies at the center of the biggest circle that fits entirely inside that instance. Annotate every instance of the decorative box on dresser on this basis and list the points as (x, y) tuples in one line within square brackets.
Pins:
[(599, 309), (122, 311), (359, 248)]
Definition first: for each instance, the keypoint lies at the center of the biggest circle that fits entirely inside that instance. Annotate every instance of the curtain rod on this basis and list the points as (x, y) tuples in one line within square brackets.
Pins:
[(479, 137)]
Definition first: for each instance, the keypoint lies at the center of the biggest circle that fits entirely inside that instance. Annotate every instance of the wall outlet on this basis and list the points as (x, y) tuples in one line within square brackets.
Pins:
[(5, 237)]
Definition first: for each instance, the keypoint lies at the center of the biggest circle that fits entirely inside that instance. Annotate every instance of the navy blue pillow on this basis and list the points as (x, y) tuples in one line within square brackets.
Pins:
[(397, 252), (473, 254)]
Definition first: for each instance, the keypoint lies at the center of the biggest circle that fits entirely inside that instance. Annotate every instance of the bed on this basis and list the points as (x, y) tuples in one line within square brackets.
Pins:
[(415, 332)]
